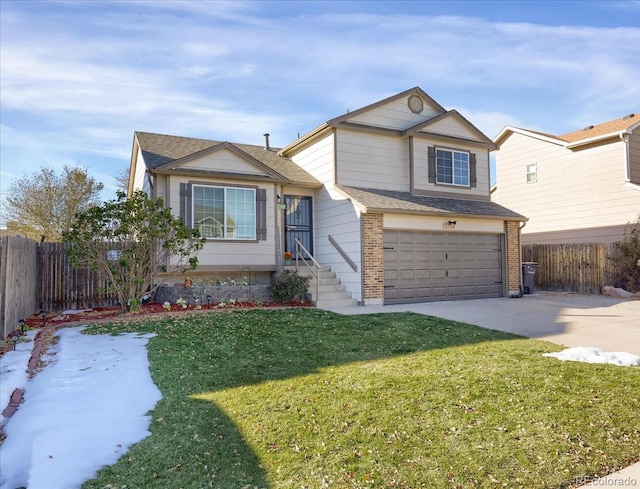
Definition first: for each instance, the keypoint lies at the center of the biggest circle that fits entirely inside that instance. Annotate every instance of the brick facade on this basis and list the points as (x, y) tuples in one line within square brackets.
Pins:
[(514, 273), (372, 259)]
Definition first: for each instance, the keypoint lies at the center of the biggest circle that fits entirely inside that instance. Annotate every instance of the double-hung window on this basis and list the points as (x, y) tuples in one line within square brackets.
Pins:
[(452, 167), (224, 212)]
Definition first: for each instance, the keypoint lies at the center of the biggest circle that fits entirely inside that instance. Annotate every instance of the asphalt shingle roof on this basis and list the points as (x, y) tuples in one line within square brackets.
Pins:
[(589, 132), (405, 202), (160, 149)]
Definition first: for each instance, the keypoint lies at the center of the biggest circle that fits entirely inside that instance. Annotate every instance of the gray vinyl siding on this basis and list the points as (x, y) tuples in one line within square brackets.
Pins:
[(395, 115), (372, 161), (333, 215)]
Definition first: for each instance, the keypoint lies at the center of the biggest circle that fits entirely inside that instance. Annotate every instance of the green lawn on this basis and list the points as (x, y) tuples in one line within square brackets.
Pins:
[(303, 398)]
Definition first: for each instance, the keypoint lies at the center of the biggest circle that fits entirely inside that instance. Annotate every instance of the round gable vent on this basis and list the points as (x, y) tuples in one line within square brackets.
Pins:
[(415, 104)]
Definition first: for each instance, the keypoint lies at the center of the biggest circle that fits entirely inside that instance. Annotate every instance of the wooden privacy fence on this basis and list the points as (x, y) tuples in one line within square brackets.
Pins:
[(18, 276), (39, 276), (581, 267), (63, 286)]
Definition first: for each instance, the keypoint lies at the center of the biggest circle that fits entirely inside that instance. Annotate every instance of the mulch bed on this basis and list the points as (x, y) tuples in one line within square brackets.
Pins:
[(47, 326), (54, 320)]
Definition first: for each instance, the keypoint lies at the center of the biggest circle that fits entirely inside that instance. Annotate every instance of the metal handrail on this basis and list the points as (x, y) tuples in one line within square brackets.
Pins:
[(316, 272), (343, 254)]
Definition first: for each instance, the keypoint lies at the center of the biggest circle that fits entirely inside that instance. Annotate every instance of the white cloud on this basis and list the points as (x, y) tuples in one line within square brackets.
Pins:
[(89, 74)]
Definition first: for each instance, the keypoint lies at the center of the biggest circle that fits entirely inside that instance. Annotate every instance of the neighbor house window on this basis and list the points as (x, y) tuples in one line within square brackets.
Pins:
[(224, 212), (452, 167), (532, 173)]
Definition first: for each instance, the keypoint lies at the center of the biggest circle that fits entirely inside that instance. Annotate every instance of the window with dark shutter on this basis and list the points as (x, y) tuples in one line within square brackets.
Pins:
[(431, 158), (185, 204), (452, 167), (261, 214), (472, 170)]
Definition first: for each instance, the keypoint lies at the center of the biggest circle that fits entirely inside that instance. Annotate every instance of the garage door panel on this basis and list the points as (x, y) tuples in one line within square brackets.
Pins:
[(425, 292), (454, 273), (424, 266), (440, 292), (468, 273)]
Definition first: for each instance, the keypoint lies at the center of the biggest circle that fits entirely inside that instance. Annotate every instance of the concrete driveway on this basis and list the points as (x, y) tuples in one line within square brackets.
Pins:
[(562, 318)]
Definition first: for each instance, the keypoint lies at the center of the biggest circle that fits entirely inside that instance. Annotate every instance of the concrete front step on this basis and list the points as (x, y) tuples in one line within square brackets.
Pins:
[(329, 304), (335, 294), (332, 292)]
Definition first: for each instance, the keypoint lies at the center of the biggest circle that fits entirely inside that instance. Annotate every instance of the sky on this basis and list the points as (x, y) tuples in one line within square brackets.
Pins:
[(77, 78), (93, 399)]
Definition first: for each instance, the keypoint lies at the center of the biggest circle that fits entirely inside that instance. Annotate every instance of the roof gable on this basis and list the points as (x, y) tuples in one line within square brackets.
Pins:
[(393, 114), (176, 153), (223, 157), (451, 124), (399, 112), (589, 134)]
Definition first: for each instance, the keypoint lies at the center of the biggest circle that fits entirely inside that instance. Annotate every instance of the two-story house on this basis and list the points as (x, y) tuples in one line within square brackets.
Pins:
[(394, 198), (580, 187)]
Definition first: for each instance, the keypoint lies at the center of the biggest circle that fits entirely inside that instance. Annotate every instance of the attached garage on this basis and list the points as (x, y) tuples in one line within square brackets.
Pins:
[(432, 266)]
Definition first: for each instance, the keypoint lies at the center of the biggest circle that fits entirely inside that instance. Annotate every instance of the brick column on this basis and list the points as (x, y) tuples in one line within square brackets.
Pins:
[(372, 259), (514, 265)]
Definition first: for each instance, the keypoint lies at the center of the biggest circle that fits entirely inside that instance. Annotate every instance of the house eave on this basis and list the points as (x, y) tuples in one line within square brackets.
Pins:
[(508, 130), (382, 210), (184, 172)]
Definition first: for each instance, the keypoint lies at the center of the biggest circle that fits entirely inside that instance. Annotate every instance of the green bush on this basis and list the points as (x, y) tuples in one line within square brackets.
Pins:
[(288, 285)]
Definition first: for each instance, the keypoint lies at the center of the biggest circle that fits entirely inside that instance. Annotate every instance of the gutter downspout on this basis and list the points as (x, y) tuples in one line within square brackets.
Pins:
[(521, 293), (627, 180)]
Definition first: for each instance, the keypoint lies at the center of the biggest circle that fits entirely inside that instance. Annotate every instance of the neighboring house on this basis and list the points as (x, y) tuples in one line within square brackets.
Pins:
[(394, 198), (580, 187)]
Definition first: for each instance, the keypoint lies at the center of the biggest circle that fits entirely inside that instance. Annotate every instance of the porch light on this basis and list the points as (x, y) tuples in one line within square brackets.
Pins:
[(44, 317), (21, 323)]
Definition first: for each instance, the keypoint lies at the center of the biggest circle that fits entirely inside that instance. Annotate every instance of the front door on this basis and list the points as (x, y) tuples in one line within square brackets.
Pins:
[(297, 224)]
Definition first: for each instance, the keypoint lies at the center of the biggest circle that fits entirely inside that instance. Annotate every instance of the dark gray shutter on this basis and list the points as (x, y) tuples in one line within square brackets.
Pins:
[(261, 213), (472, 170), (431, 159), (185, 204)]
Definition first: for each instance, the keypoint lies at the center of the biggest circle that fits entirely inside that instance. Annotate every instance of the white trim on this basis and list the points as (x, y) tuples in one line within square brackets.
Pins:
[(632, 186)]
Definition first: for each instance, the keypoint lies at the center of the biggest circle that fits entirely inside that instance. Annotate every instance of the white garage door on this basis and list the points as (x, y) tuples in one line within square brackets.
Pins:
[(421, 267)]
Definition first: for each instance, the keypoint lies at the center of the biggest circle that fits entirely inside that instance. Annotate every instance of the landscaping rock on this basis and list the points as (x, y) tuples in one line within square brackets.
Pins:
[(611, 291)]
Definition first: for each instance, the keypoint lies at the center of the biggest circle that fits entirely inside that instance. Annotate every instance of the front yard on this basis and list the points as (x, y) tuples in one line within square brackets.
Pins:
[(303, 398)]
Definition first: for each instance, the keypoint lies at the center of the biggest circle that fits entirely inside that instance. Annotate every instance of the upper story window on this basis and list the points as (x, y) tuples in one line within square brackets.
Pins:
[(532, 173), (224, 212), (452, 167)]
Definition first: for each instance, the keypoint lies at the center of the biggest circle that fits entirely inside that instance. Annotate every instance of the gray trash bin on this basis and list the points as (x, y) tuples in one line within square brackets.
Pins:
[(529, 272)]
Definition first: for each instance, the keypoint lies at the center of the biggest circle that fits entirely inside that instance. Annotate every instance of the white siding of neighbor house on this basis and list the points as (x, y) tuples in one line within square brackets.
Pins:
[(224, 160), (575, 190), (233, 253), (395, 115), (421, 172), (333, 215), (372, 160)]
